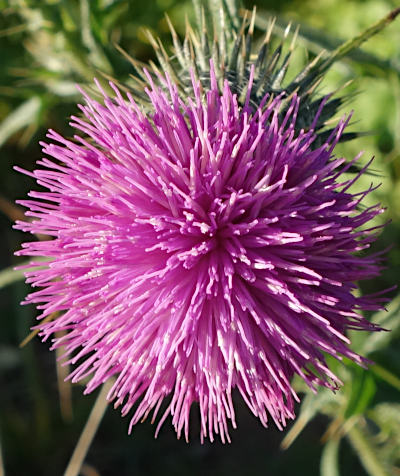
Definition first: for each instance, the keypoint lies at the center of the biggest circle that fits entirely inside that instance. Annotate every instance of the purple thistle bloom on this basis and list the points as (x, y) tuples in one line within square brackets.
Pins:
[(197, 249)]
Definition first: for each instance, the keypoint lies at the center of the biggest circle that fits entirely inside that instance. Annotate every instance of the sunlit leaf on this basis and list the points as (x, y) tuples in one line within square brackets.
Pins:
[(24, 115), (11, 275)]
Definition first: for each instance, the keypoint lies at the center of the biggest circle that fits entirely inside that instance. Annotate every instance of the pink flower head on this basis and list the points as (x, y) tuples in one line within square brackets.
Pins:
[(196, 249)]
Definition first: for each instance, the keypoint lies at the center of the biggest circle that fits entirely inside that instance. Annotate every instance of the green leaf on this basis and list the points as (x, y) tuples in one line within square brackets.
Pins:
[(11, 275), (24, 115), (330, 458), (363, 389)]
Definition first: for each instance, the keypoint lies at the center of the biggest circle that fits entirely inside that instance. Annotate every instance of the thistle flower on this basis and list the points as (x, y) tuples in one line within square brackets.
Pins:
[(198, 248)]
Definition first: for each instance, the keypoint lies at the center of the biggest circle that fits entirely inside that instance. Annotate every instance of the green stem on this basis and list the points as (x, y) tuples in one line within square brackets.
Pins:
[(357, 41), (366, 452), (221, 17), (385, 375), (89, 432), (2, 471), (330, 458)]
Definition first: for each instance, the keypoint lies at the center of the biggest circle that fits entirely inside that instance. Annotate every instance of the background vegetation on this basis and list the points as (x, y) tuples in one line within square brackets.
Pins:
[(46, 46)]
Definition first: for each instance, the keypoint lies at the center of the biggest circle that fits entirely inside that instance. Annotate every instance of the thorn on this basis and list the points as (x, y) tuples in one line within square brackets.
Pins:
[(294, 39), (151, 39), (287, 30), (171, 27), (135, 63), (252, 21), (203, 20), (244, 23), (270, 30), (114, 80), (32, 334), (162, 49)]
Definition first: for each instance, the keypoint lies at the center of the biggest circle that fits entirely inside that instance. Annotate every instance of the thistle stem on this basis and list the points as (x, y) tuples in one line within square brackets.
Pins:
[(2, 471), (385, 375), (64, 385), (366, 452), (358, 40), (330, 458), (89, 432)]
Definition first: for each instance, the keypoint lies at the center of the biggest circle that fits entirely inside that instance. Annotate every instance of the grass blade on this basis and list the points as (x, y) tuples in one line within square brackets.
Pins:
[(89, 431)]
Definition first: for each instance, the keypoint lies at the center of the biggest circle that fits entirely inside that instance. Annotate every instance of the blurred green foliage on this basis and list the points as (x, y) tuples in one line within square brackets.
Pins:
[(46, 46)]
